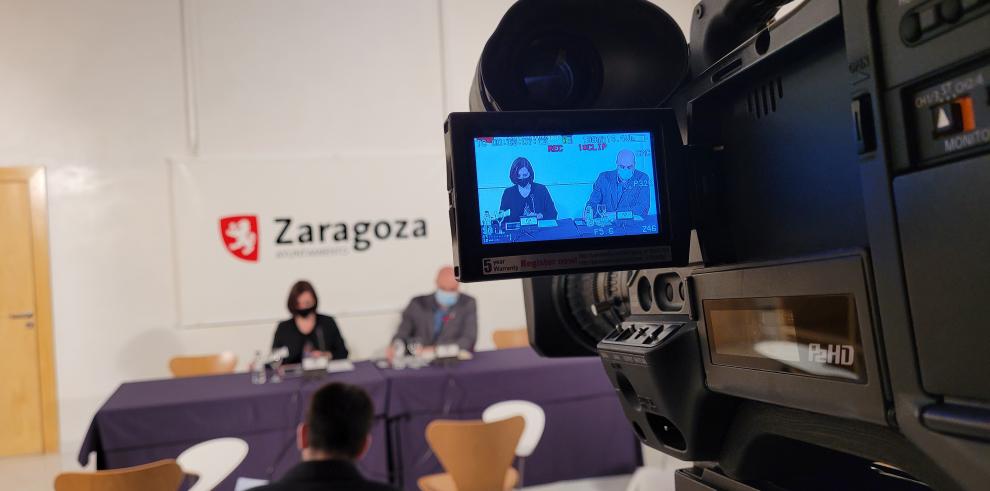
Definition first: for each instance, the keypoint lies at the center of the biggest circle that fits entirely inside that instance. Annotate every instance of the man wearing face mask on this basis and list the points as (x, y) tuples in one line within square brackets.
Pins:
[(622, 189), (526, 198), (444, 317)]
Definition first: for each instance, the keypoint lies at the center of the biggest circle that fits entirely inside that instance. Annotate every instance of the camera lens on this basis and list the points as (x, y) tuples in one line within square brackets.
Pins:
[(580, 54), (550, 82), (574, 295), (559, 71)]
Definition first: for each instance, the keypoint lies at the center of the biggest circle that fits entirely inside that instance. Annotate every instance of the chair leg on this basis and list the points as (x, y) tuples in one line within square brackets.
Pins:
[(522, 468)]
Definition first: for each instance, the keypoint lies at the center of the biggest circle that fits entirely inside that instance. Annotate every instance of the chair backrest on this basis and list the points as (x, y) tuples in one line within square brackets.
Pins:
[(212, 460), (531, 413), (164, 475), (477, 455), (510, 338), (194, 366)]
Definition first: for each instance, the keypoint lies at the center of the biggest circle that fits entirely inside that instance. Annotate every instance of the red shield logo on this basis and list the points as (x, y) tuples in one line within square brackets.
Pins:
[(240, 236)]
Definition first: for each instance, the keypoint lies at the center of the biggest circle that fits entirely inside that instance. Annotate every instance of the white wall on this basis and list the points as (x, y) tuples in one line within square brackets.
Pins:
[(104, 92)]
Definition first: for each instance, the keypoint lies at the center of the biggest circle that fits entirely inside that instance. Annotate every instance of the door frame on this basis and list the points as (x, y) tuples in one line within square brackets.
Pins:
[(34, 177)]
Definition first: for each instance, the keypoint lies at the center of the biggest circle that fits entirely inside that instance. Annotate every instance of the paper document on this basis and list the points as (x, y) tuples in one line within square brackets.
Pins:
[(336, 366), (245, 483)]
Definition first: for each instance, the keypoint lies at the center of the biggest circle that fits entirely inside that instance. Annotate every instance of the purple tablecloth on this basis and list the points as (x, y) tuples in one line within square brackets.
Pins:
[(147, 421), (586, 431)]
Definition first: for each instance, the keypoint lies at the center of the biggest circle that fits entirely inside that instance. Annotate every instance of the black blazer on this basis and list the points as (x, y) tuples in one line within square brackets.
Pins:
[(538, 201), (325, 337), (325, 475)]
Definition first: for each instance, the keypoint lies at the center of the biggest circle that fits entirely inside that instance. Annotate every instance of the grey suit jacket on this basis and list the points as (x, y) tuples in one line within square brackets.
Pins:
[(632, 195), (461, 326)]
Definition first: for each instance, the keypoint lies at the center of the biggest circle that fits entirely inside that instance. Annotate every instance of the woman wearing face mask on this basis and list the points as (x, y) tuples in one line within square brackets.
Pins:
[(308, 333), (526, 198)]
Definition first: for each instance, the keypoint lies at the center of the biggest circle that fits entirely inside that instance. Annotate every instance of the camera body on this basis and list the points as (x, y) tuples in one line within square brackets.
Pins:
[(826, 329)]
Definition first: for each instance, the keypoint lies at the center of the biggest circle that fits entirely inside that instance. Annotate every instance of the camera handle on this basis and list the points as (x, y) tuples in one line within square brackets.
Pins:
[(719, 26)]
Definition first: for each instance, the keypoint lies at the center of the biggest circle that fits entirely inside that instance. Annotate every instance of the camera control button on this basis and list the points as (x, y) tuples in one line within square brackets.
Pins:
[(928, 18), (666, 331), (947, 118), (862, 112), (951, 10), (954, 117), (910, 28)]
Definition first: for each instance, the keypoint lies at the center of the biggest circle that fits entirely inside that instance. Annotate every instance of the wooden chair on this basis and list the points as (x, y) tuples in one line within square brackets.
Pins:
[(212, 460), (476, 455), (195, 366), (535, 419), (164, 475), (511, 338)]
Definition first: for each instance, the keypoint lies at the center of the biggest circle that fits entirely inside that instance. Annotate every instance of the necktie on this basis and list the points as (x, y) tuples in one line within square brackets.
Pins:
[(438, 317)]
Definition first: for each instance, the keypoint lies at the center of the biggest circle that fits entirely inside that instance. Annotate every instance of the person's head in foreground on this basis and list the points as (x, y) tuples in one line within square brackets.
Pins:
[(333, 437), (337, 425), (447, 286)]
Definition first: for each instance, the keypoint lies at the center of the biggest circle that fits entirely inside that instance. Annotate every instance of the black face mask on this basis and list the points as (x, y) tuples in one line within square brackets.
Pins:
[(522, 182), (305, 312)]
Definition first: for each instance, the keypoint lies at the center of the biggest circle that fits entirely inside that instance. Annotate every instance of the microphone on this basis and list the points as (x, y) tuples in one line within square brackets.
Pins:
[(282, 352), (297, 399), (319, 338)]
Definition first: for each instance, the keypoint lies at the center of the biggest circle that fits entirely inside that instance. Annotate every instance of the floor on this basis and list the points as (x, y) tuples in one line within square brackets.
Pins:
[(656, 479), (613, 483), (36, 472)]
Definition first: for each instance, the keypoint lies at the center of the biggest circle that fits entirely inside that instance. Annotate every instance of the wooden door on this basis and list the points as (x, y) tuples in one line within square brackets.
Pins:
[(23, 379)]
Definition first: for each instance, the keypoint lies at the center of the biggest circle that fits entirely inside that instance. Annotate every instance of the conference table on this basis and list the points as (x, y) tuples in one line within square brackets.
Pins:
[(568, 228), (152, 420), (586, 433)]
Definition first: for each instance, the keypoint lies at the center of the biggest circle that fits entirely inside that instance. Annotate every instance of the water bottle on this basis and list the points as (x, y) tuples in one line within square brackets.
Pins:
[(486, 224), (589, 215), (399, 357), (258, 369)]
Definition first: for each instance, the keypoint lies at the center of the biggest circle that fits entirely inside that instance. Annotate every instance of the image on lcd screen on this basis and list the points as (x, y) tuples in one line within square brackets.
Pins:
[(561, 187)]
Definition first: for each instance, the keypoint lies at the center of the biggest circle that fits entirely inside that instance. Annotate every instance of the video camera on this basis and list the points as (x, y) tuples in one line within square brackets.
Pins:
[(776, 239)]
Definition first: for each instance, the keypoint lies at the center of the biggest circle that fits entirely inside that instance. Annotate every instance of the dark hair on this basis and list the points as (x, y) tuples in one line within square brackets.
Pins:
[(339, 419), (299, 288), (519, 163)]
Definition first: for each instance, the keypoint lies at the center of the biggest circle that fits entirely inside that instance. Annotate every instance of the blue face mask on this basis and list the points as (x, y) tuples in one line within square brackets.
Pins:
[(625, 174), (446, 299)]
